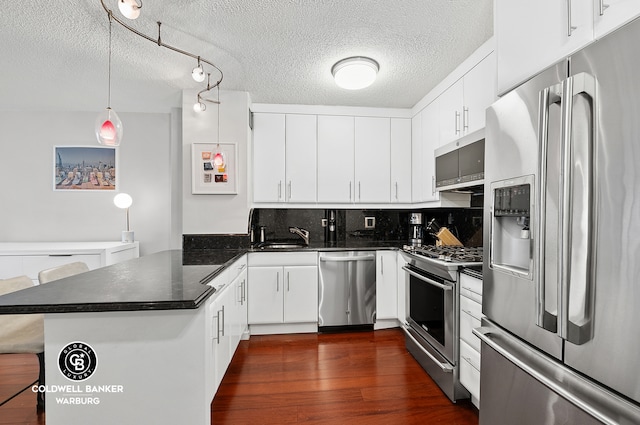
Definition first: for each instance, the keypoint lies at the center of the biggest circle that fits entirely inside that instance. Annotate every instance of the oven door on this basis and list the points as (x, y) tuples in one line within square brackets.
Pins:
[(431, 310)]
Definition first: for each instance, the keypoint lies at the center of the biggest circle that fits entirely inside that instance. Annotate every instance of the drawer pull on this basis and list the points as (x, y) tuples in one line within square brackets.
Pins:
[(468, 360)]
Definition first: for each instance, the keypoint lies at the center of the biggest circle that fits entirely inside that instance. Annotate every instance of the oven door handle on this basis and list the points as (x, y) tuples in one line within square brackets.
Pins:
[(427, 280), (446, 367)]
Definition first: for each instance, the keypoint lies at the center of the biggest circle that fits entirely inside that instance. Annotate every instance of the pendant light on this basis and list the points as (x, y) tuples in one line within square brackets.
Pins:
[(108, 126), (130, 8)]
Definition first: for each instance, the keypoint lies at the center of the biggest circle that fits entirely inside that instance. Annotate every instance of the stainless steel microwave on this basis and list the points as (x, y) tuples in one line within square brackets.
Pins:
[(460, 164)]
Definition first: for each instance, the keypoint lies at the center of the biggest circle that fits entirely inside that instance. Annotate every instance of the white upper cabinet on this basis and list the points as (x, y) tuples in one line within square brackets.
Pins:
[(431, 124), (301, 161), (401, 160), (610, 14), (479, 93), (284, 158), (417, 166), (372, 159), (335, 159), (268, 157), (462, 106), (450, 110), (531, 35)]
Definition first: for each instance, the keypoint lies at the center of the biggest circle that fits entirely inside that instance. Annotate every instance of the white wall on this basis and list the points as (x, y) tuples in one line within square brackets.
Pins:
[(216, 214), (32, 211)]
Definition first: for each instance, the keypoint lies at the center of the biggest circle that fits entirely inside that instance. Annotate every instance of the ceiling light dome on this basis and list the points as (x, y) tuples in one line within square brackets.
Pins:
[(355, 73)]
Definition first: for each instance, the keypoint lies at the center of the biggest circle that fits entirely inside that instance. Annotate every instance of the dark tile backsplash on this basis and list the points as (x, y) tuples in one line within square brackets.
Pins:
[(390, 225)]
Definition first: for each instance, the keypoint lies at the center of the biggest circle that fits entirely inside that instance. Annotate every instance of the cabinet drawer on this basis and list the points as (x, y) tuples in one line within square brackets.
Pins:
[(236, 268), (470, 369), (266, 259), (470, 315), (34, 264), (471, 287)]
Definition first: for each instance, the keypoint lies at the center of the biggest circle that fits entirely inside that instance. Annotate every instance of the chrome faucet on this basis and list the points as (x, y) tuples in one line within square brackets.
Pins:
[(303, 233)]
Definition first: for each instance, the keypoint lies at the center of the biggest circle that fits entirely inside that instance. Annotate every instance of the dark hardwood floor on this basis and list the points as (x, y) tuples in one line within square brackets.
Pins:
[(359, 377)]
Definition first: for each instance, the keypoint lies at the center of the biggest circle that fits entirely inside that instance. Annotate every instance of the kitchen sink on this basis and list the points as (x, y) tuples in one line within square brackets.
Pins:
[(282, 245)]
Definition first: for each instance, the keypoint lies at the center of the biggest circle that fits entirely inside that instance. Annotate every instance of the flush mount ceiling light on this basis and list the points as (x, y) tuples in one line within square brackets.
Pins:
[(355, 73), (130, 8), (108, 125)]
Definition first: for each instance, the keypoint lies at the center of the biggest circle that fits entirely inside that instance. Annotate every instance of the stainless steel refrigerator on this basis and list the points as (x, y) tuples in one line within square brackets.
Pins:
[(561, 341)]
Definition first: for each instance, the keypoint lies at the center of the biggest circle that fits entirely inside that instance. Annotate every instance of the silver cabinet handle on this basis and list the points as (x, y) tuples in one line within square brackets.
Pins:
[(288, 283), (349, 190), (433, 185), (359, 192), (277, 281), (396, 191), (602, 7), (465, 118), (468, 360), (457, 122), (570, 28), (279, 190), (217, 318), (243, 291), (289, 198), (222, 322), (381, 265)]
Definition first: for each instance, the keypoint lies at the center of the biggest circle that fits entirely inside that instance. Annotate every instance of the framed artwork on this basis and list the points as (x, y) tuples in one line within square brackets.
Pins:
[(214, 169), (84, 168)]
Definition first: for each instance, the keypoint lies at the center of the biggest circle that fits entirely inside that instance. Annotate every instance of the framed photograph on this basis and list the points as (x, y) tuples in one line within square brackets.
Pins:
[(214, 169), (84, 168)]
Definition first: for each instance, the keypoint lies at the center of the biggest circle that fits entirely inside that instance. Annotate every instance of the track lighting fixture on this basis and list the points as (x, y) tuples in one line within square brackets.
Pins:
[(108, 124), (198, 72), (130, 8)]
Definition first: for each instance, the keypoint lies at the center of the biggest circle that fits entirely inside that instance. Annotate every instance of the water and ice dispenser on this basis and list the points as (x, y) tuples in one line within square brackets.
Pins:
[(511, 237)]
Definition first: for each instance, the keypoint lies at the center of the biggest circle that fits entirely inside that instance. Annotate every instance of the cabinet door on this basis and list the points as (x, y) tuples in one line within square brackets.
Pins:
[(417, 165), (530, 36), (237, 316), (268, 157), (265, 295), (401, 160), (430, 141), (386, 285), (479, 93), (450, 114), (611, 14), (335, 159), (301, 159), (300, 294), (372, 159)]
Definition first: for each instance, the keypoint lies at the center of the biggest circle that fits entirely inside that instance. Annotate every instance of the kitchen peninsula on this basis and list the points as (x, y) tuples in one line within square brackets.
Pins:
[(128, 341)]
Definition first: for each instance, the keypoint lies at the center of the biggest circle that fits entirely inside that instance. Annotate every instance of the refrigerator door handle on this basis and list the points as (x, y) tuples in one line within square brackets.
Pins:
[(596, 401), (549, 96), (578, 238)]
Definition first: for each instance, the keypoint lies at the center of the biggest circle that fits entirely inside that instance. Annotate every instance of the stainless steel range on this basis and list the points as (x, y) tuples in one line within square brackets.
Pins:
[(432, 327)]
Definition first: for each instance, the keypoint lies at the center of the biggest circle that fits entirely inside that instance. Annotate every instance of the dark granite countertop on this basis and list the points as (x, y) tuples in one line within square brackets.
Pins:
[(154, 282), (162, 281)]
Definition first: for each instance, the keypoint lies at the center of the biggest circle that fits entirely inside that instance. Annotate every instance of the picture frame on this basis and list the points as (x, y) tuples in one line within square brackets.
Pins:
[(82, 168), (214, 169)]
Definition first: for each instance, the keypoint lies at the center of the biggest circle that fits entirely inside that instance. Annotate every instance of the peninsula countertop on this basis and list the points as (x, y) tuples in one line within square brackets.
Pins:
[(158, 281)]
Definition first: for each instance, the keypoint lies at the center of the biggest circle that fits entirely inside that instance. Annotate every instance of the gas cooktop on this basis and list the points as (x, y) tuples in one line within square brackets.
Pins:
[(454, 254)]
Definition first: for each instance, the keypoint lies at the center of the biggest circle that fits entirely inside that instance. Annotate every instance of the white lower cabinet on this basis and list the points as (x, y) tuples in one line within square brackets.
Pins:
[(470, 318), (282, 292), (386, 289), (226, 321)]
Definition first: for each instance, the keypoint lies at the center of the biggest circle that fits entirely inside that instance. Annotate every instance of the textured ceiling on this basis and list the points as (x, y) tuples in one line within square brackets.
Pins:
[(54, 54)]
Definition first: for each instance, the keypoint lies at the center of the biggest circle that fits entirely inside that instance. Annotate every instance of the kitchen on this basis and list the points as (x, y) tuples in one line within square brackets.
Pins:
[(196, 212)]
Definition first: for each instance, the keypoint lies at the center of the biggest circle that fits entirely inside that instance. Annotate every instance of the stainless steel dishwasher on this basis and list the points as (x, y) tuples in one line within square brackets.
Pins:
[(347, 289)]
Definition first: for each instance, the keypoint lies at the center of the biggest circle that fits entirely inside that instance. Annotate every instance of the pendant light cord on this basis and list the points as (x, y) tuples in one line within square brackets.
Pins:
[(218, 100), (109, 74)]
